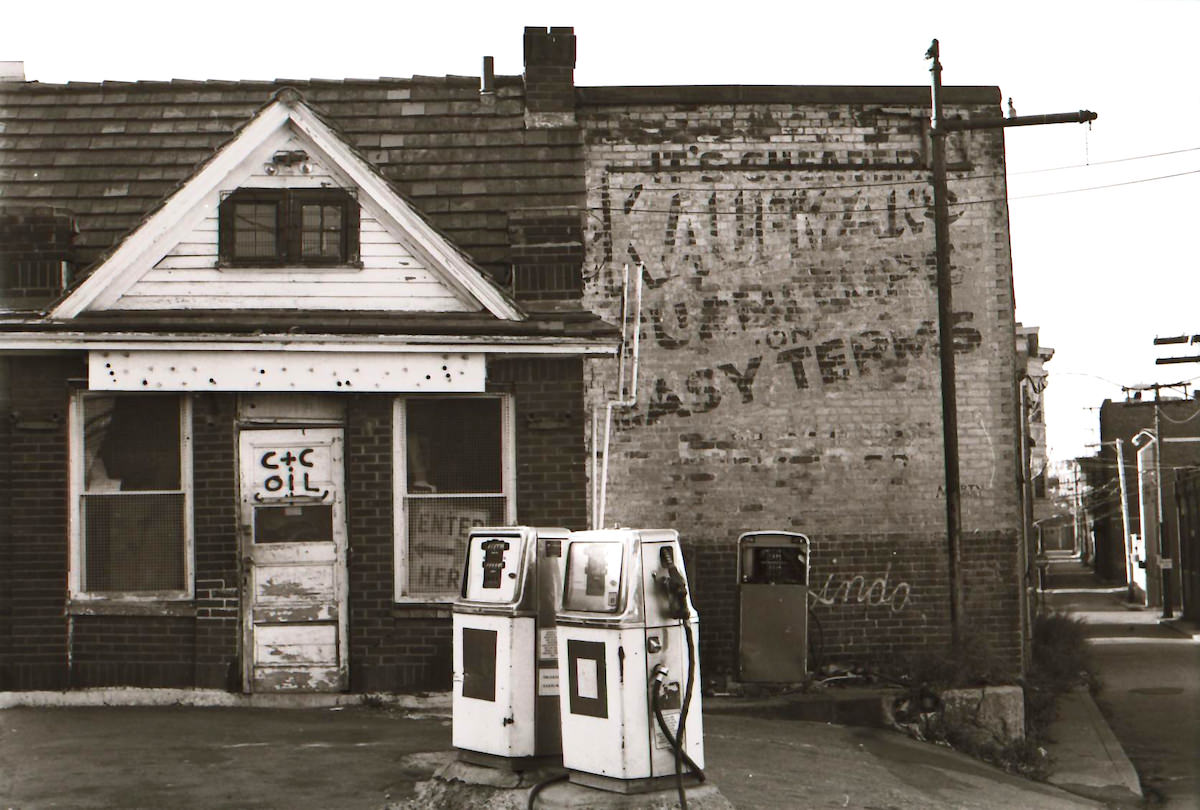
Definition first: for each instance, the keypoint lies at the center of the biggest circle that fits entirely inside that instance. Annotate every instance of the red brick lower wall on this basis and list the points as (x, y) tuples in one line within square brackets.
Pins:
[(146, 651), (862, 611), (391, 647), (34, 457), (217, 561)]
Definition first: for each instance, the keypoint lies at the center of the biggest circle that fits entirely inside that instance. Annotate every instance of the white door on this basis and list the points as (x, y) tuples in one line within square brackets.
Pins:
[(293, 535)]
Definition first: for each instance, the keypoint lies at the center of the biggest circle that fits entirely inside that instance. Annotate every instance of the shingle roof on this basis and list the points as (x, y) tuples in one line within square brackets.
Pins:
[(110, 152)]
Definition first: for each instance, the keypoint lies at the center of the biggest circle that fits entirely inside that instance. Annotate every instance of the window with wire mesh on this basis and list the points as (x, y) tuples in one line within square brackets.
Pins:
[(454, 482), (262, 227), (133, 502)]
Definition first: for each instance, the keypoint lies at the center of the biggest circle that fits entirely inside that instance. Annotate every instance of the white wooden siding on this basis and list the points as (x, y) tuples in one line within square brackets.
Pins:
[(391, 278)]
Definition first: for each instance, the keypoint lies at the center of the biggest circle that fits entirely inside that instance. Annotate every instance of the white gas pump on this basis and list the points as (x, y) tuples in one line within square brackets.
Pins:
[(630, 694), (505, 700)]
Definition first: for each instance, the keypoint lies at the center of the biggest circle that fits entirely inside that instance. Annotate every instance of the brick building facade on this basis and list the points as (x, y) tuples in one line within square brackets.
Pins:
[(788, 345), (789, 348)]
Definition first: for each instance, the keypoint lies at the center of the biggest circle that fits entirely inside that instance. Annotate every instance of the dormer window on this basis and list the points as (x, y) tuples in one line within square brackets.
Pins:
[(310, 227)]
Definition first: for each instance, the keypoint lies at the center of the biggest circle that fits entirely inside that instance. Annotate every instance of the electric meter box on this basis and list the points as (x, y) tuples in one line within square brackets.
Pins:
[(505, 699), (772, 574), (623, 627)]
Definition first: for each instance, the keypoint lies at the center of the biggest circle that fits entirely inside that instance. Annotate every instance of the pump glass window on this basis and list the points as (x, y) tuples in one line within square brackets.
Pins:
[(131, 521), (593, 577), (454, 471)]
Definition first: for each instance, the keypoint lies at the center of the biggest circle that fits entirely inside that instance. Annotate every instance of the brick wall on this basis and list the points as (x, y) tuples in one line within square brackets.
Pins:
[(373, 662), (217, 566), (789, 357), (551, 456), (146, 651), (35, 537)]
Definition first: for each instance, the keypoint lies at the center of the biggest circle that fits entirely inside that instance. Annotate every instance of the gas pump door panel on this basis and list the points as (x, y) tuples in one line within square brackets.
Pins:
[(479, 663)]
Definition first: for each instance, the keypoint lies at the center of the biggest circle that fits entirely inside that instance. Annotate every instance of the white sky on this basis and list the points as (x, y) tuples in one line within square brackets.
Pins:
[(1102, 272)]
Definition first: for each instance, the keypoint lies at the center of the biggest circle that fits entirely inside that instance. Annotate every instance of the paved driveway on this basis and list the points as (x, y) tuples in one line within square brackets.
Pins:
[(355, 757)]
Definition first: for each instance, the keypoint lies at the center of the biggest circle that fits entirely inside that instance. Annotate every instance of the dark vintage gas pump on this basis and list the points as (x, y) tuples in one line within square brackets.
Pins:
[(772, 574), (505, 699), (630, 699)]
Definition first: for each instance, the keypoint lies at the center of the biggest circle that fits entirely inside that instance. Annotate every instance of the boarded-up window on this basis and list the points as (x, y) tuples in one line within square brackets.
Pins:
[(132, 514), (454, 480)]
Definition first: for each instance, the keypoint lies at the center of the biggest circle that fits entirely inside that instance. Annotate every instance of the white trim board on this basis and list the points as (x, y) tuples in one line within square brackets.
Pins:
[(349, 372)]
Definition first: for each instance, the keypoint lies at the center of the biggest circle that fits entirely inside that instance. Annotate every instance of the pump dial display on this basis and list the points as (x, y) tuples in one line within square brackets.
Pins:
[(493, 565)]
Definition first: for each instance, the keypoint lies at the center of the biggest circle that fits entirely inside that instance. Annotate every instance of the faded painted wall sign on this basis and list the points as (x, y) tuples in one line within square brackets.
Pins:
[(651, 219), (758, 262), (855, 590), (437, 539)]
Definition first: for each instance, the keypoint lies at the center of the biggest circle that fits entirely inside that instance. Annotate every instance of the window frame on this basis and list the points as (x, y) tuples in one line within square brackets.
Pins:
[(289, 227), (400, 493), (78, 490)]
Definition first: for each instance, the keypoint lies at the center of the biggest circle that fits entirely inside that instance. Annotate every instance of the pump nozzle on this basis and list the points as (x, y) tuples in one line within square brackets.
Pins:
[(673, 584)]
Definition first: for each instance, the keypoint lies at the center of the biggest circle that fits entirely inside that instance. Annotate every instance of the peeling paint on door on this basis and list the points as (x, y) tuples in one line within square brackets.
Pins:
[(293, 529)]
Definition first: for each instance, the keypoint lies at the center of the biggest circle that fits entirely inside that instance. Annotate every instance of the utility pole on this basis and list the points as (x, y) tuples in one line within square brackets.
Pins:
[(1164, 559), (1125, 518), (939, 127)]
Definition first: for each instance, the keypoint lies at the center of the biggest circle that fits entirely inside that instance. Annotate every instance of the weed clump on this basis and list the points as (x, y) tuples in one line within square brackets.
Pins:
[(1061, 662)]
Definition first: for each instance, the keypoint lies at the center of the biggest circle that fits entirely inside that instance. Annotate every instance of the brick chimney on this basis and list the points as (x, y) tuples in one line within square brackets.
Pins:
[(12, 71), (549, 77)]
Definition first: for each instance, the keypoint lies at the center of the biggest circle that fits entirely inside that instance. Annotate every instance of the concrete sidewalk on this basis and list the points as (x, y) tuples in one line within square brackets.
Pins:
[(1149, 668), (209, 754), (1088, 759)]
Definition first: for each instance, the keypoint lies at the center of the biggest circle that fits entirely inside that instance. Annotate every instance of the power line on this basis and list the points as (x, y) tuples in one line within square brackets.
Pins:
[(1106, 185), (1108, 162)]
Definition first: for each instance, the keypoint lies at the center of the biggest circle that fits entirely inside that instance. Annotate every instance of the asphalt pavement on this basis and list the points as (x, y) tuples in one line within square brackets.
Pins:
[(182, 749), (367, 757)]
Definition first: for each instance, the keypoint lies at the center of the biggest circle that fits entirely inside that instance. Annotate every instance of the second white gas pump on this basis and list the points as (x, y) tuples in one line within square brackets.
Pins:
[(628, 662), (505, 699)]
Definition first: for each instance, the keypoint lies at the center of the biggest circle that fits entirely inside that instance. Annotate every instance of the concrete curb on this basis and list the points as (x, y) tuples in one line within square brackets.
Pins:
[(1090, 760), (1182, 627), (433, 703)]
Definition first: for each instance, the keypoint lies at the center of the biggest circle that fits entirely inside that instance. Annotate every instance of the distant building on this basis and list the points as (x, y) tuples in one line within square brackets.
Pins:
[(1037, 506), (1121, 556)]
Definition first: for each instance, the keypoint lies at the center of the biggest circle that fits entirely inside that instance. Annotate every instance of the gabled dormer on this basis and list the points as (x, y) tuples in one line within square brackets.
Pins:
[(286, 216)]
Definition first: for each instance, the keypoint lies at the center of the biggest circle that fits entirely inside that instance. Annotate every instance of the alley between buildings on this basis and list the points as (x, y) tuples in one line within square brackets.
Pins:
[(1149, 670)]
